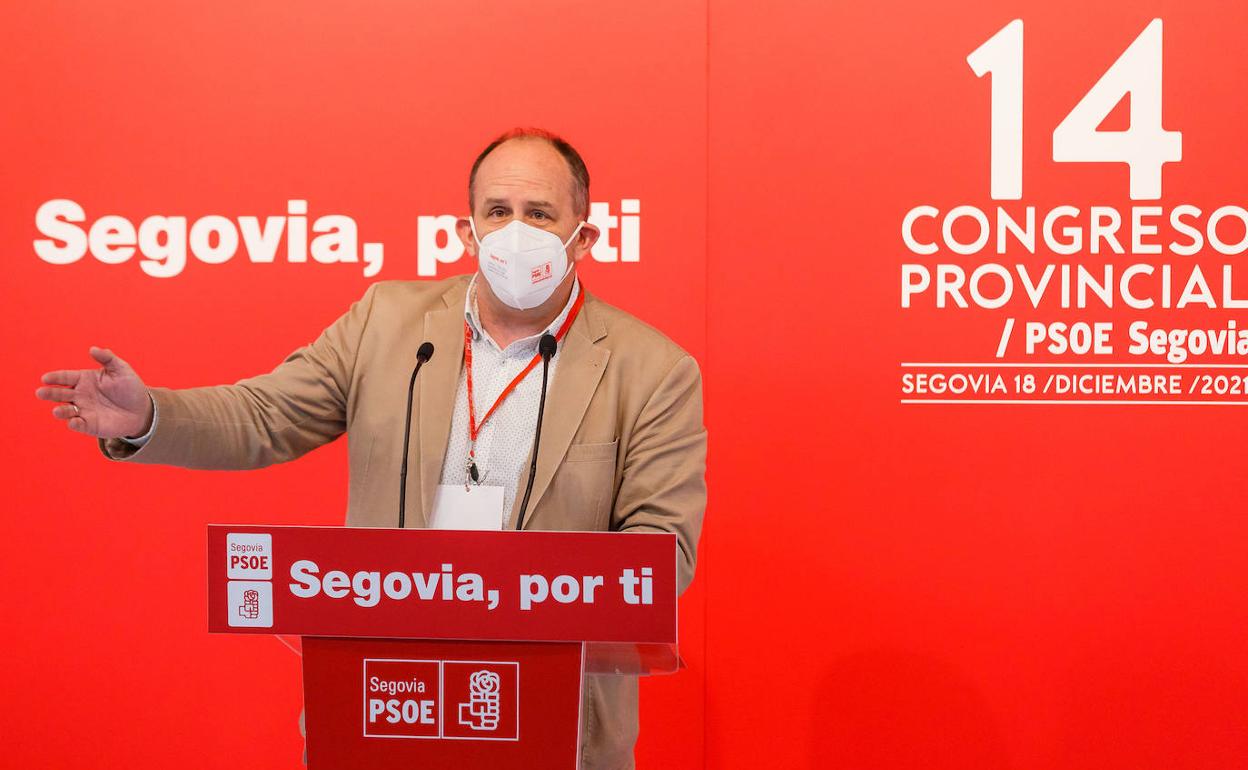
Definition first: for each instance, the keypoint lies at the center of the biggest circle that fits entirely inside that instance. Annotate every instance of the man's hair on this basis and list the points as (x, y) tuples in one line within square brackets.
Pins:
[(576, 166)]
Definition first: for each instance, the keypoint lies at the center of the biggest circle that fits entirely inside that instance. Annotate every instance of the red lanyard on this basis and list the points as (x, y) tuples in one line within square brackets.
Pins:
[(474, 428)]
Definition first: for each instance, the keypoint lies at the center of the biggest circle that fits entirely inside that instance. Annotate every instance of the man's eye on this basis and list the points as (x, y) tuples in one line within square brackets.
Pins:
[(540, 214), (495, 211)]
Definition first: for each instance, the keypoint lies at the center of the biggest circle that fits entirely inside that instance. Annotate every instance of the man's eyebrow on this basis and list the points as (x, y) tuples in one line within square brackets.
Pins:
[(530, 204)]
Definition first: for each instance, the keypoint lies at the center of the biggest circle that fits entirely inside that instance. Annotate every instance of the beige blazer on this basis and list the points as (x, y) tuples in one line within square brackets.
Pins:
[(623, 443)]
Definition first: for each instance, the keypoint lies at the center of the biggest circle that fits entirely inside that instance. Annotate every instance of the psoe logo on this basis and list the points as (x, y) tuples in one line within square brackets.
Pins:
[(442, 699), (249, 569), (402, 698), (541, 273), (250, 604), (481, 711), (486, 699)]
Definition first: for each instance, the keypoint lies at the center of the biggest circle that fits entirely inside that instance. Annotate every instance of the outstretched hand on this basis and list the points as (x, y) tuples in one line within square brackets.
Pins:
[(109, 402)]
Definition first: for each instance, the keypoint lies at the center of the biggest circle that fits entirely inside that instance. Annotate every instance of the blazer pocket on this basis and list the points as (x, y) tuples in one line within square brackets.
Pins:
[(582, 491), (588, 453)]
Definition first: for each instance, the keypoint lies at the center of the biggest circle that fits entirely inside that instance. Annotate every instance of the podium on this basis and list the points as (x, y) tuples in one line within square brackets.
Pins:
[(446, 648)]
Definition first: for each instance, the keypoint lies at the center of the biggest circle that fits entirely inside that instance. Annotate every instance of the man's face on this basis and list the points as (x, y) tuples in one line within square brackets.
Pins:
[(528, 180)]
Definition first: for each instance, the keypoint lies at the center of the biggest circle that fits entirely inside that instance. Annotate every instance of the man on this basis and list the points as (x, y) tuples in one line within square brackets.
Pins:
[(623, 444)]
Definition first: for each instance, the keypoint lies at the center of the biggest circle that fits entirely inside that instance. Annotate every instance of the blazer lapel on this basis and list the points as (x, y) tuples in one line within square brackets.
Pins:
[(581, 365), (439, 381)]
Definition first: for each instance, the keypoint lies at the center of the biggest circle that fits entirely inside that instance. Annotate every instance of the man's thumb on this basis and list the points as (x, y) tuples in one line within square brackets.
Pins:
[(105, 357)]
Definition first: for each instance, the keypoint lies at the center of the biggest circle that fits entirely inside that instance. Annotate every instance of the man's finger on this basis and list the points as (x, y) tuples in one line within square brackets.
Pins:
[(62, 377), (77, 424), (105, 356), (55, 394), (65, 412)]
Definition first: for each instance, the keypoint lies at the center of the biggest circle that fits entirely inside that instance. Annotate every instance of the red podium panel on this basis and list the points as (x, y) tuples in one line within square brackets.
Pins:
[(381, 703), (436, 648)]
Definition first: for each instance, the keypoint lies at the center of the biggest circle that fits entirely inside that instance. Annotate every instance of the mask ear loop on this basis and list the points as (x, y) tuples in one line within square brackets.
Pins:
[(573, 235), (570, 263)]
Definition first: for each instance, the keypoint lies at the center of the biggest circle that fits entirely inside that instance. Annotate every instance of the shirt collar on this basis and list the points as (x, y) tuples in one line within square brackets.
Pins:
[(473, 317)]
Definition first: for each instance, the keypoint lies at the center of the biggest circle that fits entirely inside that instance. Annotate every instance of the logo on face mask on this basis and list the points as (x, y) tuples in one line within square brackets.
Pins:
[(541, 273)]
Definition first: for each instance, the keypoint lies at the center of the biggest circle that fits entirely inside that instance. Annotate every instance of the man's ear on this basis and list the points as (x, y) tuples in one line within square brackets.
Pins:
[(580, 246), (463, 228)]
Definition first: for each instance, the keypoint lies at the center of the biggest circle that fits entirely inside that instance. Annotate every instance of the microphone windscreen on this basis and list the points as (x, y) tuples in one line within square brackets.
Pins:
[(547, 345), (425, 351)]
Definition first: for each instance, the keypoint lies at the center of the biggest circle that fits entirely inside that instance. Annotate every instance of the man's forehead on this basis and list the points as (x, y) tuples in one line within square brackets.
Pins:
[(519, 165)]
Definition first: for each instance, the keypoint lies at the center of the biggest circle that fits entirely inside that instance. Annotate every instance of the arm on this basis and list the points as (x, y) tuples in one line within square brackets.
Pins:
[(260, 420), (663, 488)]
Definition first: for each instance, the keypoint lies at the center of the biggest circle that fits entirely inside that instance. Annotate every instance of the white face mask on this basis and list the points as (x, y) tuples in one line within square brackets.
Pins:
[(524, 264)]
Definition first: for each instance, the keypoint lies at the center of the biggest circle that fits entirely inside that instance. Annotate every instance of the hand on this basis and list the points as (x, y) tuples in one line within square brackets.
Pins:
[(109, 403)]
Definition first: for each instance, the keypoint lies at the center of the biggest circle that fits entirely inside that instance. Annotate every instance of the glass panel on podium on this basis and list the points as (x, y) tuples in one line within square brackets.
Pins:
[(637, 659)]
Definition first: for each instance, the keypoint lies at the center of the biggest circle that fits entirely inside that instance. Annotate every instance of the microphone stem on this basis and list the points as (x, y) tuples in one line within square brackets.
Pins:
[(537, 437), (407, 435)]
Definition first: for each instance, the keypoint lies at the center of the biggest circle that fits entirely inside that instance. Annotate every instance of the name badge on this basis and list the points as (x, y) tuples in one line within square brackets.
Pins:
[(478, 507)]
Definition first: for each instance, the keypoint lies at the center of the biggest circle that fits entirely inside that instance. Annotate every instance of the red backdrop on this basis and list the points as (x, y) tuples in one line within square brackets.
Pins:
[(881, 585)]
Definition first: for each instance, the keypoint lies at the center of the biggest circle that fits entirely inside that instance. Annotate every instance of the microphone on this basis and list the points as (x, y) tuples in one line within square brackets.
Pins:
[(423, 354), (546, 348)]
